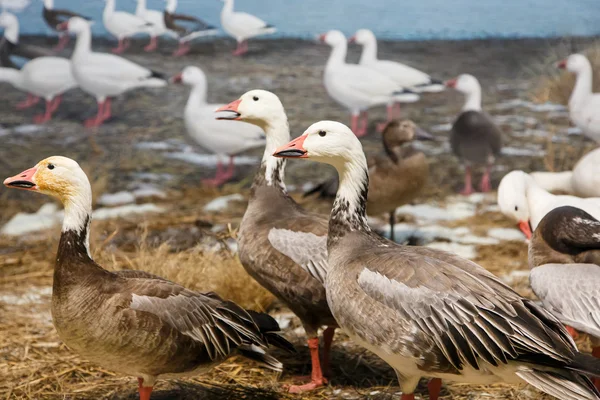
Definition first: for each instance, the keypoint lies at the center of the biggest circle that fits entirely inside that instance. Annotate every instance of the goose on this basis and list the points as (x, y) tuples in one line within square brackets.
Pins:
[(133, 322), (157, 24), (474, 137), (395, 179), (54, 17), (188, 29), (427, 312), (46, 77), (564, 257), (104, 75), (242, 26), (583, 104), (223, 138), (402, 74), (10, 44), (582, 181), (357, 87), (123, 25), (523, 200), (271, 220)]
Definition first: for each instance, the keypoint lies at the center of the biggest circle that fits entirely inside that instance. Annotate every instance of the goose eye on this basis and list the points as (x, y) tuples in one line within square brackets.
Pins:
[(255, 98), (50, 166), (322, 133), (516, 208)]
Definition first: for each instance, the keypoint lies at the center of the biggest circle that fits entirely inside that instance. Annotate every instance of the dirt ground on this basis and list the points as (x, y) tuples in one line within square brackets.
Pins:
[(193, 246)]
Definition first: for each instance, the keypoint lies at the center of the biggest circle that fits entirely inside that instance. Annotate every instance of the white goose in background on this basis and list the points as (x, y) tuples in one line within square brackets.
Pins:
[(582, 181), (157, 21), (242, 26), (427, 312), (405, 76), (54, 17), (523, 200), (185, 28), (583, 104), (221, 137), (123, 25), (357, 87), (104, 75)]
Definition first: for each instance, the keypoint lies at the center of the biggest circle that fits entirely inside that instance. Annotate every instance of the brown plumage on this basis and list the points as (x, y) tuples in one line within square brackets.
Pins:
[(133, 322)]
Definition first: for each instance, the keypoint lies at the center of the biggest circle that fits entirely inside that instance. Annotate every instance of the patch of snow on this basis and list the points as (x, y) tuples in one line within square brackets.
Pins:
[(506, 234), (428, 212), (515, 276), (126, 210), (22, 223), (544, 107), (209, 159), (574, 130), (116, 199), (522, 152), (148, 191), (172, 144), (152, 177), (27, 129), (441, 127), (34, 295), (463, 250), (221, 203), (284, 320), (515, 120)]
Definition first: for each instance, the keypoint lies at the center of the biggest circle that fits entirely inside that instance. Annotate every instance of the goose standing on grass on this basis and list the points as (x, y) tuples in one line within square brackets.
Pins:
[(123, 25), (55, 17), (474, 137), (10, 45), (133, 322), (223, 138), (523, 200), (155, 19), (394, 179), (357, 87), (426, 312), (242, 26), (582, 181), (104, 75), (273, 221), (583, 104), (188, 28)]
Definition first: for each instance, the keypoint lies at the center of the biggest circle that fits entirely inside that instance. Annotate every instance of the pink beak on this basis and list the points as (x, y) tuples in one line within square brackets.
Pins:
[(322, 37), (23, 181), (562, 64), (177, 78), (352, 39), (451, 83), (525, 228), (63, 26)]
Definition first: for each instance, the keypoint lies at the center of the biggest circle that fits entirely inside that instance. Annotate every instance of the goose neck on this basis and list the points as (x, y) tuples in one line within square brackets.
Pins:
[(277, 133), (337, 55), (141, 7), (109, 8), (197, 97), (583, 86), (75, 236), (227, 7), (473, 99), (11, 33), (83, 44), (369, 52), (171, 6)]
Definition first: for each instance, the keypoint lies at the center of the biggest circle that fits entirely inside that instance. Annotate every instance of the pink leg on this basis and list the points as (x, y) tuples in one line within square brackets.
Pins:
[(106, 112), (327, 340), (390, 117), (316, 377), (30, 102), (145, 392), (468, 186), (242, 48), (63, 39), (56, 102), (219, 175), (434, 386), (354, 123), (486, 184), (408, 396), (230, 170), (123, 45), (152, 45), (363, 121), (47, 115), (182, 50), (97, 120)]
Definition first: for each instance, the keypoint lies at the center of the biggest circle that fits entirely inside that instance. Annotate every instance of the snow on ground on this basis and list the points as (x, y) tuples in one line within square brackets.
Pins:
[(208, 159), (221, 203)]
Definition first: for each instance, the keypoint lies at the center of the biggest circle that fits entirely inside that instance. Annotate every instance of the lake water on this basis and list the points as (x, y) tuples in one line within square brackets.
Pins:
[(392, 19)]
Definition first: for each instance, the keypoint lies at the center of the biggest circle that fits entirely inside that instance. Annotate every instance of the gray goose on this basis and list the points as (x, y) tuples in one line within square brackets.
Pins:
[(394, 179), (133, 322), (10, 44), (54, 17), (272, 221), (427, 312), (474, 137), (564, 257)]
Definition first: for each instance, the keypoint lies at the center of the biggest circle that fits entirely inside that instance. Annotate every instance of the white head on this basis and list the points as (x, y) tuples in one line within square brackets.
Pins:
[(75, 25), (333, 38), (171, 6), (10, 23), (258, 107), (191, 76), (512, 199), (49, 4), (575, 63), (464, 83), (363, 37)]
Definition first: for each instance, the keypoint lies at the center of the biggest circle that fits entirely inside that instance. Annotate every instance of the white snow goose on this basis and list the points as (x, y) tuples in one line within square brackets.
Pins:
[(133, 322), (272, 221), (357, 87), (582, 181), (10, 44), (223, 138), (157, 21), (523, 200), (123, 25), (402, 74), (54, 17), (426, 312), (583, 104), (474, 137), (185, 27), (242, 26), (564, 257), (105, 75)]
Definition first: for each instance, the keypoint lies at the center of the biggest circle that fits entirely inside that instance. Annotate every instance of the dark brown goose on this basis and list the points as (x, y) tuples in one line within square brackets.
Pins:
[(272, 221), (426, 312), (188, 28), (396, 178), (133, 322), (54, 17), (474, 137), (11, 46)]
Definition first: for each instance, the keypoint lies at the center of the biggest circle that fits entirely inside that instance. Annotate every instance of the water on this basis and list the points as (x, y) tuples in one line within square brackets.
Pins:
[(391, 19)]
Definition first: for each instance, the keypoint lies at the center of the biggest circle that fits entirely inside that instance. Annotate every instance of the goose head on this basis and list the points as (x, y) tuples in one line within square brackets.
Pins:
[(75, 25), (191, 76), (8, 20), (258, 107), (512, 199), (464, 83), (333, 38), (398, 132), (55, 176), (575, 63), (362, 37), (48, 4)]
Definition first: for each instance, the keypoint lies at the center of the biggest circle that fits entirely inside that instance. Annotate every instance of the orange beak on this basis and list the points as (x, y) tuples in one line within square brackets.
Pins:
[(525, 228), (24, 180), (231, 109), (352, 39), (451, 83), (63, 26), (561, 64), (294, 149), (177, 78)]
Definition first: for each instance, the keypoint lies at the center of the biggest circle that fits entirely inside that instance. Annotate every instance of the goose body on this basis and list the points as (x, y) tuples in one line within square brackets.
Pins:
[(357, 87), (105, 75), (429, 313), (185, 27), (523, 200), (242, 26), (583, 103), (54, 17), (123, 25), (223, 138), (133, 322), (157, 23), (272, 221)]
